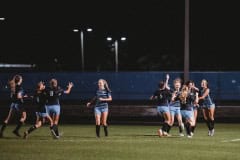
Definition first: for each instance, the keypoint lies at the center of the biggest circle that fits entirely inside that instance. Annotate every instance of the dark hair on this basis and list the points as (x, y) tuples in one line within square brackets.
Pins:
[(39, 85), (161, 84), (17, 78), (189, 81), (53, 82)]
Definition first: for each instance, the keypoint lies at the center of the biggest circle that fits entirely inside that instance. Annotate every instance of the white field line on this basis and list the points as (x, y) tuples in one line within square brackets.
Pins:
[(231, 140)]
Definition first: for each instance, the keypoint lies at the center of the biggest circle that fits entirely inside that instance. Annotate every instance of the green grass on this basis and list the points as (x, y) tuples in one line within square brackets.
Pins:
[(125, 142)]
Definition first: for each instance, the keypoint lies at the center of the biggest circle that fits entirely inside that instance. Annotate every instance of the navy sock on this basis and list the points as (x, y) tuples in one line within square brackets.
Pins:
[(19, 125), (211, 122), (31, 129), (193, 128), (105, 130), (208, 124), (98, 130), (188, 128)]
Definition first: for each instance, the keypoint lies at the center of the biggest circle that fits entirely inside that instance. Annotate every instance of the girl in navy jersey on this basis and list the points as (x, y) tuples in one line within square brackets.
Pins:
[(17, 105), (39, 98), (162, 96), (53, 93), (101, 99), (175, 107), (186, 103), (194, 91), (208, 106)]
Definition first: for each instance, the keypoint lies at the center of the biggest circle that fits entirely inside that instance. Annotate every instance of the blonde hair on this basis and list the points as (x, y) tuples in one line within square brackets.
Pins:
[(177, 80), (184, 93), (105, 84), (206, 82)]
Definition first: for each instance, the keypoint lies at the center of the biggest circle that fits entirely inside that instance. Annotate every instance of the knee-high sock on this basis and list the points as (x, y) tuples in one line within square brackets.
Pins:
[(55, 129), (165, 127), (211, 122), (193, 128), (19, 125), (208, 124), (188, 128), (98, 130), (31, 129), (105, 130)]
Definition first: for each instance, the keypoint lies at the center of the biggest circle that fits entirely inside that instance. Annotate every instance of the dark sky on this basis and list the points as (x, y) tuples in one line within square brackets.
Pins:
[(39, 32)]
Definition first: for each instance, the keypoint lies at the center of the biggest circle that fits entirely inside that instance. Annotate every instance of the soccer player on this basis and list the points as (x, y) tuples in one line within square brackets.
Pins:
[(53, 93), (17, 105), (101, 99), (194, 91), (186, 105), (162, 96), (40, 100), (208, 106), (175, 107)]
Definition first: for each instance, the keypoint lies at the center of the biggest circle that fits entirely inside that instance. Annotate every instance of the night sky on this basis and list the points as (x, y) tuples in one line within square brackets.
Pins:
[(41, 33)]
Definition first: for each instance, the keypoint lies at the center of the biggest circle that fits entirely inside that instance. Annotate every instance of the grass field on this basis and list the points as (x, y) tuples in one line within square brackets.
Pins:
[(125, 142)]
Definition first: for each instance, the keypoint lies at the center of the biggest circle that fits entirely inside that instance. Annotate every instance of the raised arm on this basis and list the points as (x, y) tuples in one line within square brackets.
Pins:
[(69, 88), (166, 82)]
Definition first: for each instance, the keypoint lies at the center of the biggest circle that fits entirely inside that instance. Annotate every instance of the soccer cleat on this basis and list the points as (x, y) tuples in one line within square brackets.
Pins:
[(209, 133), (160, 133), (25, 136), (53, 134), (189, 136), (16, 133), (181, 134), (191, 133), (212, 132), (166, 134)]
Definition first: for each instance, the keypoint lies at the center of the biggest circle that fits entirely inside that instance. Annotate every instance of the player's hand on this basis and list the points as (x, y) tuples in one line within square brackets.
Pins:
[(70, 84), (88, 104), (167, 76)]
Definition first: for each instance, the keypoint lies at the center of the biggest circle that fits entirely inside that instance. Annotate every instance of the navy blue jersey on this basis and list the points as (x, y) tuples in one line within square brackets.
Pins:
[(40, 99), (188, 104), (53, 95), (175, 103), (207, 101), (102, 94), (18, 90), (162, 97)]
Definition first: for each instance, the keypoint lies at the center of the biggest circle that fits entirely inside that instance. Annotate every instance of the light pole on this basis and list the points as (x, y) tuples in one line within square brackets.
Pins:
[(82, 44), (116, 49)]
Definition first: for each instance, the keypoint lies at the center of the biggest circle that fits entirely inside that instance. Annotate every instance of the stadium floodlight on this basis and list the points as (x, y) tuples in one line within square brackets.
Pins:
[(116, 49), (82, 43)]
